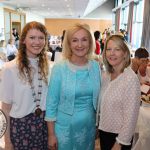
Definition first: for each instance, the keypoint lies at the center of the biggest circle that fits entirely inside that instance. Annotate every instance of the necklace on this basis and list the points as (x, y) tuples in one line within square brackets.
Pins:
[(37, 96)]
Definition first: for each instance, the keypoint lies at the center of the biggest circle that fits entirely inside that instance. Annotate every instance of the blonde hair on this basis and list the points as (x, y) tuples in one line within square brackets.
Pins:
[(11, 40), (67, 52), (122, 44), (23, 62)]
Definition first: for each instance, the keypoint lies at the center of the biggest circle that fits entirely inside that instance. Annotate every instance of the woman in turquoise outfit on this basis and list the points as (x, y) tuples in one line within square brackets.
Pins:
[(73, 92)]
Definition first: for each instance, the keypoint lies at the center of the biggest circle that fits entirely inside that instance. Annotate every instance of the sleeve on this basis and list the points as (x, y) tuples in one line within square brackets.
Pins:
[(6, 85), (131, 105), (53, 95), (102, 73), (98, 110)]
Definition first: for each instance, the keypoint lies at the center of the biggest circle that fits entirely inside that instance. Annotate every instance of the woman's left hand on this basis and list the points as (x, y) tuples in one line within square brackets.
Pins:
[(116, 147)]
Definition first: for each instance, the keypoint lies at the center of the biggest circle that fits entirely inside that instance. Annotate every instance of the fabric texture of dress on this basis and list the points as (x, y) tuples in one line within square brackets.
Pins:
[(75, 129)]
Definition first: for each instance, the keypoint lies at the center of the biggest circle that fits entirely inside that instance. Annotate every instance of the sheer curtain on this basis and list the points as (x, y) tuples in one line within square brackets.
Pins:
[(117, 19), (146, 26), (130, 18)]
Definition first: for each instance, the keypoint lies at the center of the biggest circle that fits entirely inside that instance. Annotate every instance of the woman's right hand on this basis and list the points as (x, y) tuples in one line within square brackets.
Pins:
[(52, 142)]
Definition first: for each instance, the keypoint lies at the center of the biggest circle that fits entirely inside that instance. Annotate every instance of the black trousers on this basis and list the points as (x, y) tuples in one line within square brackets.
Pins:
[(107, 140)]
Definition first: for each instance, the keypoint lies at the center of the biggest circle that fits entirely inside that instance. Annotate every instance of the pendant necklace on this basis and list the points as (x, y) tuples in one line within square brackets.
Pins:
[(37, 96)]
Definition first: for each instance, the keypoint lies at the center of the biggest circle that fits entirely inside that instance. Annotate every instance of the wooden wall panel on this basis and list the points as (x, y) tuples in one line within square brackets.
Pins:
[(56, 26)]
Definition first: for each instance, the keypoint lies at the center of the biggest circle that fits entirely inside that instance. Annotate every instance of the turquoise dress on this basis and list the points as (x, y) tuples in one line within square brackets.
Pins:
[(76, 131)]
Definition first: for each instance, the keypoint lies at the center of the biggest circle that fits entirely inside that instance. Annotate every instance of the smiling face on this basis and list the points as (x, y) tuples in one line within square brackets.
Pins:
[(80, 44), (35, 42), (115, 55)]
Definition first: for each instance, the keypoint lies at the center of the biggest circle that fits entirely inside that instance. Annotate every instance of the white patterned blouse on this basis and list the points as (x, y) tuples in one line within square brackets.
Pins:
[(119, 105)]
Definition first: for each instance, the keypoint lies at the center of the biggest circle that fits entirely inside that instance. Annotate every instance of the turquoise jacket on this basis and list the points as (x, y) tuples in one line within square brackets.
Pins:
[(61, 90)]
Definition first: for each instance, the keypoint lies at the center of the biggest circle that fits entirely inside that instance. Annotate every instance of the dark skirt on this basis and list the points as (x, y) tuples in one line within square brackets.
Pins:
[(29, 132)]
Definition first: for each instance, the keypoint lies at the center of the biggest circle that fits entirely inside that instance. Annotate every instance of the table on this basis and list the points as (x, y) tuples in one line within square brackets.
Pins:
[(143, 129)]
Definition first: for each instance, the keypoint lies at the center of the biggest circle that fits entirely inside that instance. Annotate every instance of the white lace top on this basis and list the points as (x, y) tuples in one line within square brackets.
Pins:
[(120, 102)]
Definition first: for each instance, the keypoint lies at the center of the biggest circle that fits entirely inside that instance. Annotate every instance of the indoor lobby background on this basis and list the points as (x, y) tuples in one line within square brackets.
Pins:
[(129, 15)]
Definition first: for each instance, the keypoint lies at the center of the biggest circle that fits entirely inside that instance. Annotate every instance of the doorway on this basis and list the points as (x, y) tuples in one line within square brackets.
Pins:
[(17, 25)]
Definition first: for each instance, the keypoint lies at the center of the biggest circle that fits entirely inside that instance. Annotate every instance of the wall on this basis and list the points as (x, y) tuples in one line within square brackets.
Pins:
[(56, 26), (34, 17), (13, 19)]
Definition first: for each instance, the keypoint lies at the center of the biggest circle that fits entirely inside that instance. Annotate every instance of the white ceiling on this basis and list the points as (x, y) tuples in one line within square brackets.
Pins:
[(55, 8)]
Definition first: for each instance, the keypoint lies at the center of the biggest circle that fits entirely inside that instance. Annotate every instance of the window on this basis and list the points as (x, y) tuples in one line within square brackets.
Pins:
[(124, 17), (118, 2), (113, 21), (137, 24)]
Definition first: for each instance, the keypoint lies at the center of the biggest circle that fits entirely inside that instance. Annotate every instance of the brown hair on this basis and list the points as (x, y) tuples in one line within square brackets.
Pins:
[(122, 44), (141, 53), (23, 62)]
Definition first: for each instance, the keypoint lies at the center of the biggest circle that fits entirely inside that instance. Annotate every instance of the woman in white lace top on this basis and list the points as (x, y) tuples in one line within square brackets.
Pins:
[(120, 97)]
